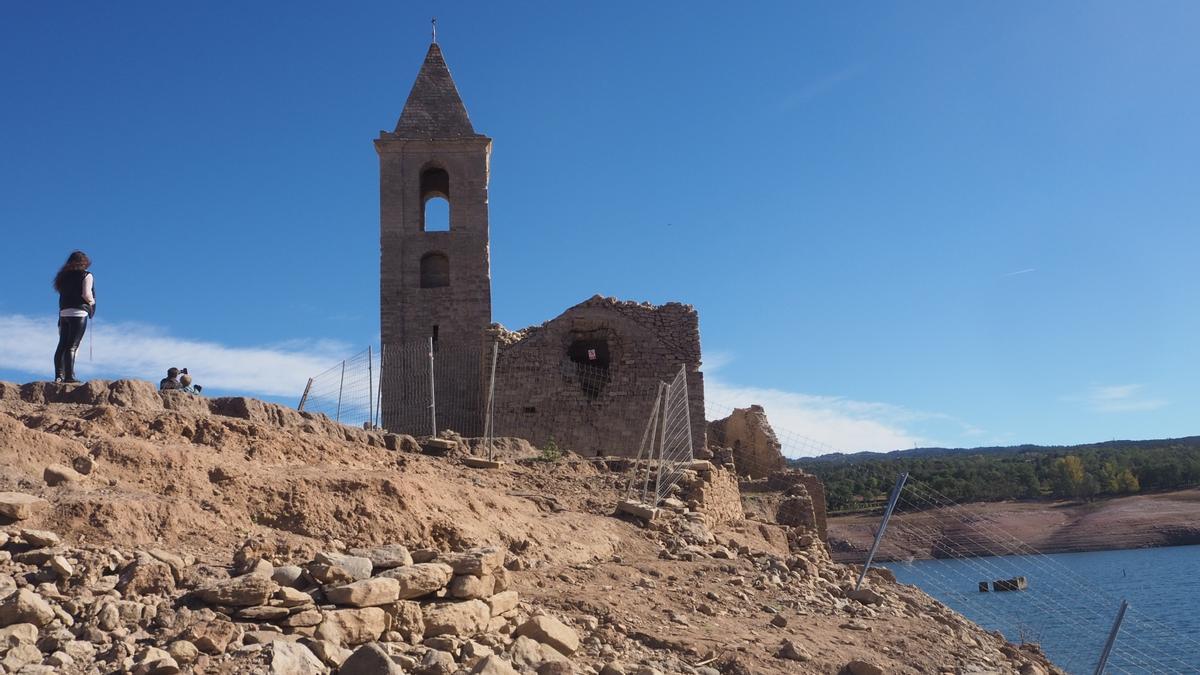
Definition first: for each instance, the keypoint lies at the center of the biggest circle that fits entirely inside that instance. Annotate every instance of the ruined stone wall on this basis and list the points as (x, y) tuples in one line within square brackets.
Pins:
[(756, 450), (714, 492), (542, 394)]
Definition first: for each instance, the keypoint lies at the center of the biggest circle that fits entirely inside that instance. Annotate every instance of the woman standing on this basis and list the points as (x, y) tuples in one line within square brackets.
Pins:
[(76, 303)]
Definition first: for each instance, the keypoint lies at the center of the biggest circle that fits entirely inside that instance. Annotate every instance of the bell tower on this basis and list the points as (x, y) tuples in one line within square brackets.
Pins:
[(435, 271)]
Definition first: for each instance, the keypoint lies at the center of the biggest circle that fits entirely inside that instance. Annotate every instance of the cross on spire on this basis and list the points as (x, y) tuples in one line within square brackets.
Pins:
[(434, 22)]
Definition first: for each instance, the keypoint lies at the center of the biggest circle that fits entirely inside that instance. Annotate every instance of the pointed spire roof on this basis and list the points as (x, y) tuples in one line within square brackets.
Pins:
[(434, 108)]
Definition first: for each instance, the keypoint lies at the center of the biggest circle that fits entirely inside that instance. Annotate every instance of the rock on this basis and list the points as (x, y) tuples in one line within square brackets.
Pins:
[(358, 567), (57, 474), (613, 668), (59, 660), (370, 659), (779, 621), (303, 619), (286, 575), (155, 661), (756, 447), (349, 627), (456, 618), (108, 618), (437, 662), (494, 665), (183, 651), (20, 506), (291, 597), (80, 651), (134, 394), (792, 651), (147, 576), (213, 637), (16, 634), (550, 631), (20, 656), (25, 606), (84, 464), (502, 602), (262, 613), (365, 593), (528, 654), (385, 557), (407, 619), (866, 596), (292, 658), (242, 591), (262, 568), (475, 561), (471, 587), (863, 668), (420, 579), (62, 567), (330, 654), (1032, 669), (39, 537)]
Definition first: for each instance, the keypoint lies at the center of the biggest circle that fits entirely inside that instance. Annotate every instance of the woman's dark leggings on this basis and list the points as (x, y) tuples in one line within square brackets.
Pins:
[(70, 334)]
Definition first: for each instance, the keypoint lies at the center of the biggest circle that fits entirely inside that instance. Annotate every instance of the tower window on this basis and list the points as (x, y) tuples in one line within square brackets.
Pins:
[(435, 270), (435, 200)]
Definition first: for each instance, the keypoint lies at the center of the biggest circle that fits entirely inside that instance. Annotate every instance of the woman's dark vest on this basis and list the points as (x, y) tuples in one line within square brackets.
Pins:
[(71, 295)]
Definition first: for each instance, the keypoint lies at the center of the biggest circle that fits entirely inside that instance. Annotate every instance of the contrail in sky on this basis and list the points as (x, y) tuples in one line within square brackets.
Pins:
[(1013, 274)]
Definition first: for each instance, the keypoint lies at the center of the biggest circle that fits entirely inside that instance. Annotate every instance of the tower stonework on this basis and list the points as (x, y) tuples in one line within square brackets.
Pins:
[(433, 284)]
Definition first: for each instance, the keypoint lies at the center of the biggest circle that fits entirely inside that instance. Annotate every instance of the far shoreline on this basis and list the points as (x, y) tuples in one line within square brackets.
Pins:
[(1138, 521)]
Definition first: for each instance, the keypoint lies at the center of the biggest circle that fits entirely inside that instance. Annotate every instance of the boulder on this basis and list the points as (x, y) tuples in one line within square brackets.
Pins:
[(20, 656), (25, 606), (83, 464), (471, 587), (420, 579), (286, 575), (57, 474), (292, 658), (330, 654), (349, 627), (456, 618), (528, 654), (358, 567), (370, 659), (550, 631), (407, 619), (866, 596), (213, 637), (502, 602), (366, 593), (17, 634), (476, 561), (39, 537), (183, 651), (862, 668), (146, 576), (242, 591), (493, 665), (437, 662), (291, 597), (134, 394), (791, 651), (385, 557)]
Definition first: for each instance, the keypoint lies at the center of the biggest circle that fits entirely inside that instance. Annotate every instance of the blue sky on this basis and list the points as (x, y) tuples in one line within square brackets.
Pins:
[(950, 223)]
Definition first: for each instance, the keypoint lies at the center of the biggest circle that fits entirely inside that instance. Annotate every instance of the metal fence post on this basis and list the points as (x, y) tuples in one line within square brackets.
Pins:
[(488, 424), (379, 387), (662, 444), (338, 415), (304, 396), (432, 394), (887, 514), (1112, 637), (370, 386)]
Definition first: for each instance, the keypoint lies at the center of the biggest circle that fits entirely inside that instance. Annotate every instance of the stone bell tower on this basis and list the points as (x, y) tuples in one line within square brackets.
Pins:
[(435, 271)]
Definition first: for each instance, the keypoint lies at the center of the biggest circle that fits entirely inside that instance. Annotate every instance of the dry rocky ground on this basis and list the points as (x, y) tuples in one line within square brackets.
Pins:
[(158, 533)]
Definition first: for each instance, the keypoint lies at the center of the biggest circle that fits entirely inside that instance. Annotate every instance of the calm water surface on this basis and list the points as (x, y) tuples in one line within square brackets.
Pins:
[(1072, 600)]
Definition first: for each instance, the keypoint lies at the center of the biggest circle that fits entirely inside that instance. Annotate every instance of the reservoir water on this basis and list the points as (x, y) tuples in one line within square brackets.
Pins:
[(1072, 600)]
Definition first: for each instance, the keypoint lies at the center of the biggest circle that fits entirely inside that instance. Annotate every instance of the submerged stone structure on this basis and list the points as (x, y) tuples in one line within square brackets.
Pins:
[(586, 380)]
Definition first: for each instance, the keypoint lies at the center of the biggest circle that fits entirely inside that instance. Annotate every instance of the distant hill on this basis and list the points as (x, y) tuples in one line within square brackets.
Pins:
[(995, 473)]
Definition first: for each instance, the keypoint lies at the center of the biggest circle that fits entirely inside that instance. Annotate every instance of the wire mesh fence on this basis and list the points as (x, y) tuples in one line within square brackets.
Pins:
[(666, 448), (347, 392), (1057, 603)]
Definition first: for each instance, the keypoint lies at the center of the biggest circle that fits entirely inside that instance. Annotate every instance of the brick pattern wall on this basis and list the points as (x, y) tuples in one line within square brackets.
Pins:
[(539, 397)]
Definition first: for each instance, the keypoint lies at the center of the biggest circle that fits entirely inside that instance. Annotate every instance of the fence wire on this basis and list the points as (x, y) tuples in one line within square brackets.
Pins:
[(346, 392), (1067, 613)]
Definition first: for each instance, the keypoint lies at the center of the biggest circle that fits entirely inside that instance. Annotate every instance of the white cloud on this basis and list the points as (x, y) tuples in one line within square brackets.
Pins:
[(1119, 398), (145, 352), (812, 425)]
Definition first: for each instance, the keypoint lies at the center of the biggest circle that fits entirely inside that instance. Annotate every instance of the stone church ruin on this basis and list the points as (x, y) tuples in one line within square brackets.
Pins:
[(585, 380)]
